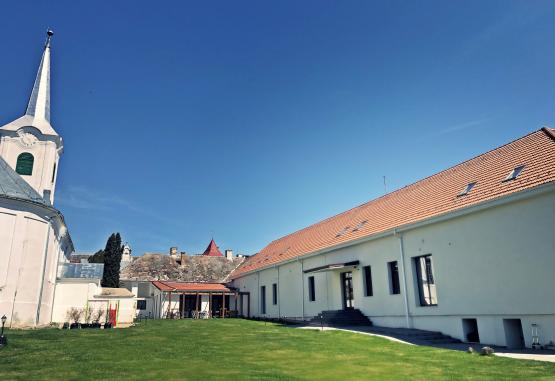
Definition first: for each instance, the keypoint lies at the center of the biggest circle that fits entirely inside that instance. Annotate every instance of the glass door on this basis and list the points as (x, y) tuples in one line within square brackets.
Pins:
[(347, 290)]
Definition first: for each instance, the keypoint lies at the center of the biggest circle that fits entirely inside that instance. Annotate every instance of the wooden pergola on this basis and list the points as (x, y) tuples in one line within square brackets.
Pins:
[(197, 290)]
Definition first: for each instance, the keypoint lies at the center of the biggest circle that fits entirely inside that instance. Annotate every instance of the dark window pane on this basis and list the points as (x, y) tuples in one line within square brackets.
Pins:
[(425, 278), (263, 299), (311, 290), (274, 294), (368, 291), (394, 278), (24, 164)]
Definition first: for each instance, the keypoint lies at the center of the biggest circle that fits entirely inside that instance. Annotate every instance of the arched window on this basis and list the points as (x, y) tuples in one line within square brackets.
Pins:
[(24, 164)]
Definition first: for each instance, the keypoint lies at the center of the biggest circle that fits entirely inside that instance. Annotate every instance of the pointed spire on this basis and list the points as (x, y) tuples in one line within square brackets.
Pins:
[(212, 250), (39, 102)]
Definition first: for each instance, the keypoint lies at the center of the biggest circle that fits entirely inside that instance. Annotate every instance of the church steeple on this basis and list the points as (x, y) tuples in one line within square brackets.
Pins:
[(39, 102)]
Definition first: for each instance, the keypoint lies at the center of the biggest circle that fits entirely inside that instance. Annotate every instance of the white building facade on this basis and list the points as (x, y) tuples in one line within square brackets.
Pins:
[(477, 269)]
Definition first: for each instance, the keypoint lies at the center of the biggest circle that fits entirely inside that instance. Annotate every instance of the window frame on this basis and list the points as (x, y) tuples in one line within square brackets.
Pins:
[(311, 289), (367, 277), (394, 281), (274, 294), (141, 303), (263, 300), (425, 284), (25, 164)]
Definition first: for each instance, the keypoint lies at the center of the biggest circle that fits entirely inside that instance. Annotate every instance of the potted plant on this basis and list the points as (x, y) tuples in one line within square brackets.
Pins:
[(96, 316), (87, 318), (74, 315)]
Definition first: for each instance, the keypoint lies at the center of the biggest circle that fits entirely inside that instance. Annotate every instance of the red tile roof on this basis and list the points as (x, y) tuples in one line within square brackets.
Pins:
[(430, 197), (212, 250), (189, 286)]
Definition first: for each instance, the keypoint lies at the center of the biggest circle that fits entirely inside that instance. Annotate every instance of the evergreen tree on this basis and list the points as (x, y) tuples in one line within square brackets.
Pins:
[(112, 259), (97, 257)]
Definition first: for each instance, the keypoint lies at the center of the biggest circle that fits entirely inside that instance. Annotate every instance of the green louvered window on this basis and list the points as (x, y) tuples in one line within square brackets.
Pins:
[(24, 164)]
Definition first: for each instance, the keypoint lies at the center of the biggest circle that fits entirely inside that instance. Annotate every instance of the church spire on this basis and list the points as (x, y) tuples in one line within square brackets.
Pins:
[(39, 102)]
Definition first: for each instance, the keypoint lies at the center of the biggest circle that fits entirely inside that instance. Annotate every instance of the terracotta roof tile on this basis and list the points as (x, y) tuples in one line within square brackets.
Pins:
[(430, 197)]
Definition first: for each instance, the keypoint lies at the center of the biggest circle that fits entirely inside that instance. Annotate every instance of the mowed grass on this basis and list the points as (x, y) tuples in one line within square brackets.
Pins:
[(234, 349)]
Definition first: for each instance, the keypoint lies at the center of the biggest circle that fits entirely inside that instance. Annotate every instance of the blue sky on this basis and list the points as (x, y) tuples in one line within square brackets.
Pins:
[(247, 120)]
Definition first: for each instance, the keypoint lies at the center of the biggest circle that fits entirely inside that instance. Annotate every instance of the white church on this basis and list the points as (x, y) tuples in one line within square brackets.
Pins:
[(37, 283)]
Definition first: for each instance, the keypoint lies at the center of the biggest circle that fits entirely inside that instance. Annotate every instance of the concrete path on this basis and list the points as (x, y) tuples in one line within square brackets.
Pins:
[(412, 337)]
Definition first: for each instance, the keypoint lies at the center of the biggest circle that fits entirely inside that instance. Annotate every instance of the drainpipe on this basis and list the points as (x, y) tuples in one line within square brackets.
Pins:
[(43, 271), (406, 297), (302, 284), (278, 301)]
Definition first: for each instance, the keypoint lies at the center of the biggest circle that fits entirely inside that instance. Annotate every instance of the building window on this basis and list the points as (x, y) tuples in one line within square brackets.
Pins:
[(54, 173), (274, 294), (426, 283), (24, 165), (394, 287), (141, 304), (368, 291), (311, 289), (263, 300)]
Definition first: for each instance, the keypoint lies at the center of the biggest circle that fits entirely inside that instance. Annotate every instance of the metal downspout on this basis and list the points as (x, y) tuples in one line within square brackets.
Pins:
[(406, 297), (43, 271)]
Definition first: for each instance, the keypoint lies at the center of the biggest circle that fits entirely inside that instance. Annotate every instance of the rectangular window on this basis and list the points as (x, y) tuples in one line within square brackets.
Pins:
[(263, 300), (311, 289), (368, 291), (426, 283), (141, 304), (394, 287), (274, 294)]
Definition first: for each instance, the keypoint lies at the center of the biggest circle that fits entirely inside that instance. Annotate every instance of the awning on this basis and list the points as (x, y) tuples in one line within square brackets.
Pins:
[(333, 267)]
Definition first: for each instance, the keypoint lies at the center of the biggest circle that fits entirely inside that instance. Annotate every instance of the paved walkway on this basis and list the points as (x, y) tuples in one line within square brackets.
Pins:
[(417, 337)]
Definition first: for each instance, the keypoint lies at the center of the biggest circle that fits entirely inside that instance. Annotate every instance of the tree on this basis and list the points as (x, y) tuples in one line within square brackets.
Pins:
[(112, 259), (97, 257)]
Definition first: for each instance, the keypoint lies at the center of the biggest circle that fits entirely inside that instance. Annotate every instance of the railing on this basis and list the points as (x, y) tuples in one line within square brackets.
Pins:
[(80, 270)]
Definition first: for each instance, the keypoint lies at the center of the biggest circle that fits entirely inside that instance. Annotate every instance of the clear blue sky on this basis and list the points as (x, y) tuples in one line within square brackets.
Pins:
[(247, 120)]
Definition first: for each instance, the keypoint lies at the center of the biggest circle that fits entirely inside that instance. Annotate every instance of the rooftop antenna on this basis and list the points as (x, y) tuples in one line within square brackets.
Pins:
[(384, 185)]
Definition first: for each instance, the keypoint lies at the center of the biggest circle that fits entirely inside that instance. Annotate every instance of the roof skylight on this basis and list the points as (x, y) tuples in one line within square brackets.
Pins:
[(514, 173), (360, 224), (467, 189), (345, 230)]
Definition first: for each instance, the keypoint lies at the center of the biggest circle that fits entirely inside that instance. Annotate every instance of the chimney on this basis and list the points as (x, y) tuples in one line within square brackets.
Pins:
[(183, 255), (173, 252), (229, 254)]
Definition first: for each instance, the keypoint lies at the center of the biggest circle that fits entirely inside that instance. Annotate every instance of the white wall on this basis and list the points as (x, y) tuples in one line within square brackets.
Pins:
[(492, 264), (27, 264)]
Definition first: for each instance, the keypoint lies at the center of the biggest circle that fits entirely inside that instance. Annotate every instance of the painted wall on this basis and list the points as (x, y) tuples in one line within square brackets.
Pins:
[(31, 244), (491, 265)]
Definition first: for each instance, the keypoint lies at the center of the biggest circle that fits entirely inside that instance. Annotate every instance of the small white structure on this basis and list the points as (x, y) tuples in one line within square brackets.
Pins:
[(469, 252)]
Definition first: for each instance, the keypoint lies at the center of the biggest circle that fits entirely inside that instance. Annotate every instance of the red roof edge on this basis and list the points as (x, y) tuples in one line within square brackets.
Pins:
[(549, 131)]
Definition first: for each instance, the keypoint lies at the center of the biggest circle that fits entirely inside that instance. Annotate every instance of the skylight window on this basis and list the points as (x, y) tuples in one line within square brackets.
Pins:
[(514, 173), (345, 230), (360, 225), (467, 189)]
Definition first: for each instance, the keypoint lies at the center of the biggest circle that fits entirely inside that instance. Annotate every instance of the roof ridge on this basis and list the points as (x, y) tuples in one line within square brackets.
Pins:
[(549, 131)]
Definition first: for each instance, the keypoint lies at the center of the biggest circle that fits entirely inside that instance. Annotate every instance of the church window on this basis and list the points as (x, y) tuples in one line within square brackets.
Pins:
[(24, 164)]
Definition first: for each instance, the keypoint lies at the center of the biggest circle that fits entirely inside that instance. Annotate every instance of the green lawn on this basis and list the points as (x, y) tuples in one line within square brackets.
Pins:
[(235, 349)]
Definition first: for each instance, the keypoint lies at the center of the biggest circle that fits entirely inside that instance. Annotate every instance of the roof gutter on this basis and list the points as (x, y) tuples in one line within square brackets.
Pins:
[(513, 197)]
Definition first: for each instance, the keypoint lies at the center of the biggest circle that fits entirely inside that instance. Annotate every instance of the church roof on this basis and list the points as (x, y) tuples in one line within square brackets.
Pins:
[(13, 186), (212, 250), (484, 178)]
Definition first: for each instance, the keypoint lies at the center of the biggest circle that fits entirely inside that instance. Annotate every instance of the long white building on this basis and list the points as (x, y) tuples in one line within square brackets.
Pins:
[(469, 252)]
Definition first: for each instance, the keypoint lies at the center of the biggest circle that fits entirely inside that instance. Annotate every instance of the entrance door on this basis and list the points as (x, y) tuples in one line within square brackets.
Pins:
[(347, 290)]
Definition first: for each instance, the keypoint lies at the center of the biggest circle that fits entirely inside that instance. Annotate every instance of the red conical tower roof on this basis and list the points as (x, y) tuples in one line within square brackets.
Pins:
[(212, 250)]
